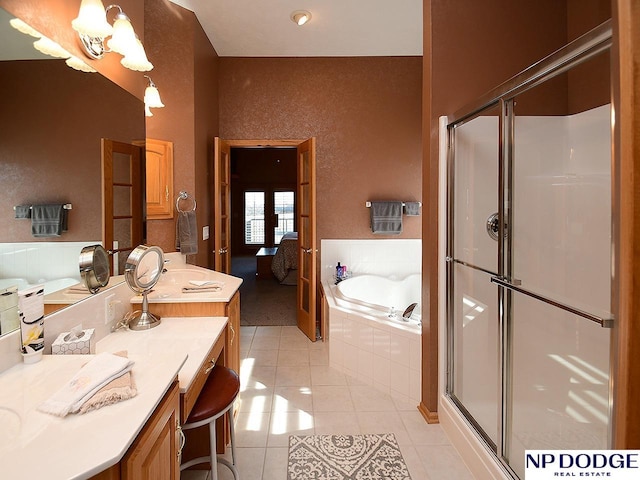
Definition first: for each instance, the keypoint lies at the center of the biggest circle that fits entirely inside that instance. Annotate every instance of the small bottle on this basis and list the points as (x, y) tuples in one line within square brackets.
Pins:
[(338, 273)]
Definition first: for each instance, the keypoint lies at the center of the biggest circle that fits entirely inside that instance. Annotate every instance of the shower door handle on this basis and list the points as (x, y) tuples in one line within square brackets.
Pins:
[(603, 322)]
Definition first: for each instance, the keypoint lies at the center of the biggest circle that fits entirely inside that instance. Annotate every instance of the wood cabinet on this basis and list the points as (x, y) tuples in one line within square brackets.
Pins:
[(159, 179), (233, 333), (154, 455), (229, 309), (198, 439)]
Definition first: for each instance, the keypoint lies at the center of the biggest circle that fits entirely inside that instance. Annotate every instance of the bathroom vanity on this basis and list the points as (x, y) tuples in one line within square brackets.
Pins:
[(168, 300), (136, 438)]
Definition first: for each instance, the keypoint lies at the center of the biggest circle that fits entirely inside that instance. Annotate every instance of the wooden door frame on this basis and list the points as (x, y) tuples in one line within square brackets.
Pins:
[(271, 143)]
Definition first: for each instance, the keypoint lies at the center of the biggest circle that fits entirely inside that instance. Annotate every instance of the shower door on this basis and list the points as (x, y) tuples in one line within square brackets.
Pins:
[(529, 261)]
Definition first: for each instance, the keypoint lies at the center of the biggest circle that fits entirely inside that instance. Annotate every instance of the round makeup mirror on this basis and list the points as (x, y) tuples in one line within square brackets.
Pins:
[(94, 267), (142, 271)]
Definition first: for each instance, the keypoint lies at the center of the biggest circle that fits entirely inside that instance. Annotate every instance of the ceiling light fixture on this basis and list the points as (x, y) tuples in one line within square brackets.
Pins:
[(93, 27), (300, 17)]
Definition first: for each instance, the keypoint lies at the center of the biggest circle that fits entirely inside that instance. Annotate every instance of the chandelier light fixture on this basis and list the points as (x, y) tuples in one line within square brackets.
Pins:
[(93, 28)]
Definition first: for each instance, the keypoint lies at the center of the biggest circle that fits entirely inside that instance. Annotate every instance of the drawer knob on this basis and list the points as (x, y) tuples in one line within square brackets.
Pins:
[(212, 363)]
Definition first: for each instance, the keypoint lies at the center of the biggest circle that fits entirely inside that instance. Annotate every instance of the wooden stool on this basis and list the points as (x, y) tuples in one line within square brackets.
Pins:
[(215, 399)]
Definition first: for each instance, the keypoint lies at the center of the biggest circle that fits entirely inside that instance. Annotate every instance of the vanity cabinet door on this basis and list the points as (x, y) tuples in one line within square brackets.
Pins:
[(154, 454), (233, 333)]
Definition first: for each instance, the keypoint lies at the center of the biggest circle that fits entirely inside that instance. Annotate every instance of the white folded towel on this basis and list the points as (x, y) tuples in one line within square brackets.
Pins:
[(203, 288), (202, 283), (79, 288), (102, 369)]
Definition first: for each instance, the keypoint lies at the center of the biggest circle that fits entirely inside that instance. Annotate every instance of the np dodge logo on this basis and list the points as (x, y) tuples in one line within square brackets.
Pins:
[(610, 464)]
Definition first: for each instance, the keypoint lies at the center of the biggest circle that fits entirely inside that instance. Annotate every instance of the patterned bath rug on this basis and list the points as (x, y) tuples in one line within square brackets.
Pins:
[(346, 457)]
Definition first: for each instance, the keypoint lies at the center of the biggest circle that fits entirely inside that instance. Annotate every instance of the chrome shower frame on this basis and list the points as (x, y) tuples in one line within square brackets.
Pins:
[(502, 98)]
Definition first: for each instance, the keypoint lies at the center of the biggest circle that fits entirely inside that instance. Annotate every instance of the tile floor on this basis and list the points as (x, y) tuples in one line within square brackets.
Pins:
[(287, 387)]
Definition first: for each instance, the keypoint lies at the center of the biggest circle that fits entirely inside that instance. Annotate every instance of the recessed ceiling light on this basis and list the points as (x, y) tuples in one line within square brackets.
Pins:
[(300, 17)]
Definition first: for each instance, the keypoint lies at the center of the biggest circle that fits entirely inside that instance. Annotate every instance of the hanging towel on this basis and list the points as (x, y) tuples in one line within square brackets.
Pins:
[(22, 211), (48, 220), (100, 371), (412, 209), (187, 233), (386, 218)]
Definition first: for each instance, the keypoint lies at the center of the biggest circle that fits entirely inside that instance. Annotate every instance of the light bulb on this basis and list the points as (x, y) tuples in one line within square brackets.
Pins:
[(152, 97), (92, 20), (136, 59), (123, 38), (77, 64), (49, 47), (300, 17), (24, 27)]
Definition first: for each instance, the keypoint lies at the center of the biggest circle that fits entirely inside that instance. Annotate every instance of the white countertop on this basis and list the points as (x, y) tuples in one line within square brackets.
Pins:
[(67, 297), (169, 287), (35, 444), (194, 335)]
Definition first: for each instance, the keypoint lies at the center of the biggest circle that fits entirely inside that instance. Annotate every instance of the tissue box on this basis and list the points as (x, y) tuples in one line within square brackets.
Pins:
[(78, 346)]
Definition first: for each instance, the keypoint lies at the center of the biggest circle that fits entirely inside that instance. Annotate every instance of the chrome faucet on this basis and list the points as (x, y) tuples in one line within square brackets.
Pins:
[(406, 315)]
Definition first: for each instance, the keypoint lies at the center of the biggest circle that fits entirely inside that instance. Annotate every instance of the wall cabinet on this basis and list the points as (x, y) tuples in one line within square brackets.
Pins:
[(159, 179)]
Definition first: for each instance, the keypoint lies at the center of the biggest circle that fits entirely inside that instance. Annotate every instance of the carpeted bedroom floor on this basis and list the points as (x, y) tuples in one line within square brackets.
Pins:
[(264, 301)]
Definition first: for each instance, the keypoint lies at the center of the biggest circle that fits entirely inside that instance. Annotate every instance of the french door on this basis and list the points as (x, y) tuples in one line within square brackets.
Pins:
[(123, 200)]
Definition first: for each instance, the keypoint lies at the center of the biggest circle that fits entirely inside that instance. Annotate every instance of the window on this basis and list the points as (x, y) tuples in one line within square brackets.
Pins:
[(254, 222)]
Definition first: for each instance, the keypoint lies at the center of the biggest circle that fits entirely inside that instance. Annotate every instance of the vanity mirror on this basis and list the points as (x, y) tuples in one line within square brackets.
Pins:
[(51, 125), (142, 271), (94, 267)]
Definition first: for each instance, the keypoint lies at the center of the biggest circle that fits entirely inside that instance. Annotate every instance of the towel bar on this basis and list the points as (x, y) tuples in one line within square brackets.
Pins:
[(368, 204), (66, 206), (184, 196)]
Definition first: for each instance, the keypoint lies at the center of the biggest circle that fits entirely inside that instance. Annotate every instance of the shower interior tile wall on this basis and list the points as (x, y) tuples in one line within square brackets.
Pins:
[(385, 257)]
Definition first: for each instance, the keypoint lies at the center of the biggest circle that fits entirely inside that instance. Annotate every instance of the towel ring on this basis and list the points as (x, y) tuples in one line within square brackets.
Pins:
[(185, 196)]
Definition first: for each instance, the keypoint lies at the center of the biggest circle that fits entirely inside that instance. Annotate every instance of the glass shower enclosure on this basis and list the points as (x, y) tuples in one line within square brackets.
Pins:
[(529, 235)]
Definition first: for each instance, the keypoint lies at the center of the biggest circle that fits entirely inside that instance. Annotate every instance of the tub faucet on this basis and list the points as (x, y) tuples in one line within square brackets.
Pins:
[(408, 311)]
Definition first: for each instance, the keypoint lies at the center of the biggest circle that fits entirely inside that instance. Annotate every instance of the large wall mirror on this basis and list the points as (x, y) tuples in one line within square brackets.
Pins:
[(51, 125)]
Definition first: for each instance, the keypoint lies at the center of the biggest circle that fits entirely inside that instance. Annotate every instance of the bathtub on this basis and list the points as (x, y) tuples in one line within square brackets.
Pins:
[(50, 286), (381, 296), (366, 343)]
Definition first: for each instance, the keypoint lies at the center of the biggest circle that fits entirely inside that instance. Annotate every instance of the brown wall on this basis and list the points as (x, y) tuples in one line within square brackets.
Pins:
[(207, 127), (364, 112), (53, 19), (471, 47), (51, 122), (185, 70)]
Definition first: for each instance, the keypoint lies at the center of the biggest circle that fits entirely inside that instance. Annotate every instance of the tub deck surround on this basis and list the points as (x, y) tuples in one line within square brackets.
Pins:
[(378, 351), (79, 446)]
